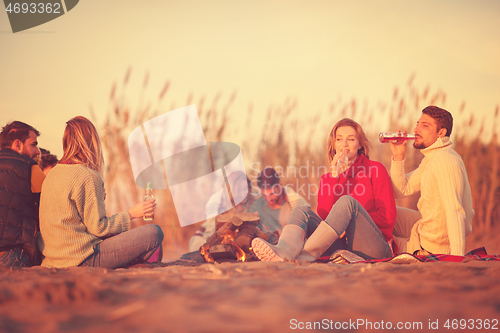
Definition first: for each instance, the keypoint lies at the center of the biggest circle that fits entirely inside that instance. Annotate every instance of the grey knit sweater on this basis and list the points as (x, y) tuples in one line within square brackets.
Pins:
[(73, 215)]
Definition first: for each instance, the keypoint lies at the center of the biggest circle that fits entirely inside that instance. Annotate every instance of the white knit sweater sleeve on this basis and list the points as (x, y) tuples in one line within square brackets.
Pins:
[(449, 174), (402, 184), (90, 204)]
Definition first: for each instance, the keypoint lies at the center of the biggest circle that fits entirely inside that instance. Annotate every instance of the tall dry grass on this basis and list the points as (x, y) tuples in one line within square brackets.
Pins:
[(119, 121), (295, 145), (482, 163)]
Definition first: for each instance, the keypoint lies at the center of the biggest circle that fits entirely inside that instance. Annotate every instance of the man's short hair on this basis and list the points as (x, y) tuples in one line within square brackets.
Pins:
[(442, 117), (16, 130), (267, 178)]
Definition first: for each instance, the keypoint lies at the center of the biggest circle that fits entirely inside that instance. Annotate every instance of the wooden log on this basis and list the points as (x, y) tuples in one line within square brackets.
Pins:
[(205, 252), (252, 218), (223, 251), (246, 233)]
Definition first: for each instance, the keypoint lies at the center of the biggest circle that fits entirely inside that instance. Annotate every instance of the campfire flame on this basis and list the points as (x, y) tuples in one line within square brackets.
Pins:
[(233, 238), (229, 239), (206, 254)]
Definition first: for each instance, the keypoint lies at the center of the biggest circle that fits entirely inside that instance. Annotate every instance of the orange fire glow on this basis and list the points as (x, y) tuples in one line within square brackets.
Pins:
[(229, 239), (206, 255)]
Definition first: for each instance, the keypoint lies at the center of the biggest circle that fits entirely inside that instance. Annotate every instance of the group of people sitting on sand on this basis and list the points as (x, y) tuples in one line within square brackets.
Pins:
[(356, 208), (59, 220)]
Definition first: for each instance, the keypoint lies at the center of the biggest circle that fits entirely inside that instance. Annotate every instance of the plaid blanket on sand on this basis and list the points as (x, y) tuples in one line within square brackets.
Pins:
[(346, 257)]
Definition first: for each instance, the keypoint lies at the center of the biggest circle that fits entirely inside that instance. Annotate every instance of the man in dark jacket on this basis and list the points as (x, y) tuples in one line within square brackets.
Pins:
[(20, 186)]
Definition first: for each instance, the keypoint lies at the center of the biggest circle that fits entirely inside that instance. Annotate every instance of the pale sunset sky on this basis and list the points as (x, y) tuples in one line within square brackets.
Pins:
[(266, 51)]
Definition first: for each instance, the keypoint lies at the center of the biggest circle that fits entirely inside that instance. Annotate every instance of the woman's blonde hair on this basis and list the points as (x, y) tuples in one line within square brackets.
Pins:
[(360, 134), (81, 144)]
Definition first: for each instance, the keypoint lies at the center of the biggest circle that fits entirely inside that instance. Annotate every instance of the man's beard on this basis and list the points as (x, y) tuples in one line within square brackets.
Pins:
[(25, 152), (418, 146)]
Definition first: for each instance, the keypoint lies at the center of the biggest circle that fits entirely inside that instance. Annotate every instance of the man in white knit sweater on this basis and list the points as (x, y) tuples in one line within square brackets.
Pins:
[(444, 215)]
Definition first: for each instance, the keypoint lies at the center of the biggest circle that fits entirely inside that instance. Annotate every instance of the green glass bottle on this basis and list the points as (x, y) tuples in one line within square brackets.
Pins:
[(149, 196)]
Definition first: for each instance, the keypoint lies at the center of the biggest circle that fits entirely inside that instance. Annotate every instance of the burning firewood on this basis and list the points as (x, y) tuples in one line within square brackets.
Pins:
[(236, 235), (223, 251), (246, 234)]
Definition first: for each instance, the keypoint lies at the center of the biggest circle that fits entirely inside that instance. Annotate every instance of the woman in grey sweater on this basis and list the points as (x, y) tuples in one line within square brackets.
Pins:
[(75, 230)]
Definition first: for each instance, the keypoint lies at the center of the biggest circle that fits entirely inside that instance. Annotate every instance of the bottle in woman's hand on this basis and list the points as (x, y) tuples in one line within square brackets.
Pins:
[(342, 163), (339, 163), (149, 197)]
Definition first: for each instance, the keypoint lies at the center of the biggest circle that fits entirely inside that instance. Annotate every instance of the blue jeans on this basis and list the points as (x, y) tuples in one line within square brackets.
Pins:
[(15, 257), (363, 237), (129, 247)]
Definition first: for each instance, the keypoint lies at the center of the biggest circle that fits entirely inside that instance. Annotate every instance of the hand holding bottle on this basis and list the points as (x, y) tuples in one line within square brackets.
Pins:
[(340, 163), (399, 147), (142, 209)]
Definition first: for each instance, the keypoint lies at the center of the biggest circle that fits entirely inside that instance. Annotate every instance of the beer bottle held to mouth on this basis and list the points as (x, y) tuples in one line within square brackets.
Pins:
[(385, 137), (148, 197)]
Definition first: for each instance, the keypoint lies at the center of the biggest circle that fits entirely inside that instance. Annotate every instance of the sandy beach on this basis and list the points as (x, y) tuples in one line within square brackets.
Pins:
[(250, 297)]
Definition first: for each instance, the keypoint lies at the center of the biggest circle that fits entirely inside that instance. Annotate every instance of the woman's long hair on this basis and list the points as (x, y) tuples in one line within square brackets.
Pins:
[(81, 144), (360, 134)]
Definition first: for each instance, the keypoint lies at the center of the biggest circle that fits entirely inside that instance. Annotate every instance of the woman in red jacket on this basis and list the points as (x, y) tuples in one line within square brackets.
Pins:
[(356, 207)]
